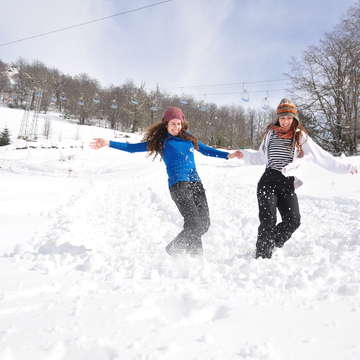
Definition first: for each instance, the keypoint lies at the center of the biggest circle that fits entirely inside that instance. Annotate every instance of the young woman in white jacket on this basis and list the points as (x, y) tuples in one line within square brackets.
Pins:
[(285, 142)]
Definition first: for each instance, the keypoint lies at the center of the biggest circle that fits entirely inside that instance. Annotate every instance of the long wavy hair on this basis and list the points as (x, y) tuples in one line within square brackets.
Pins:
[(156, 133), (295, 131)]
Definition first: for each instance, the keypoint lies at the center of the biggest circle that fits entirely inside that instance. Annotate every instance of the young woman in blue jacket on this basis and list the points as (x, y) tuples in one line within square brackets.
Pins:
[(169, 139)]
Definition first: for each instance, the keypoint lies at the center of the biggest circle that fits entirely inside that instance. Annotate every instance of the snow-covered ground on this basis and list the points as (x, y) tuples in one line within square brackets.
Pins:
[(84, 274)]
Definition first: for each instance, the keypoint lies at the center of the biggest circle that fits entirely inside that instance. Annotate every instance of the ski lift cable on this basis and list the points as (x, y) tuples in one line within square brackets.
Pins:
[(241, 92), (85, 23), (242, 83)]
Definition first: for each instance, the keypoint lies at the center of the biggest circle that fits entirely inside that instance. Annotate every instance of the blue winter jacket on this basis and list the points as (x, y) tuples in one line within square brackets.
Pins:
[(178, 155)]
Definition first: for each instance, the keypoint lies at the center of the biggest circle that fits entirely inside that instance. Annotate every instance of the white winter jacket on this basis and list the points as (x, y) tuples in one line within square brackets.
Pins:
[(312, 152)]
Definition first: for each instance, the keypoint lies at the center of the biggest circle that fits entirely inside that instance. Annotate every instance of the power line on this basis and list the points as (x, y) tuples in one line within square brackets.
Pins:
[(85, 23)]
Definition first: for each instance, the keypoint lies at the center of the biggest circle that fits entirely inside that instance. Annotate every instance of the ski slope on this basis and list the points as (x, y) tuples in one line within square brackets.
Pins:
[(84, 274)]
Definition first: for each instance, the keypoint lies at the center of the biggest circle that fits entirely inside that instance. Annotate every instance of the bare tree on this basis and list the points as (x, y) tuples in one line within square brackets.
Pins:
[(326, 84)]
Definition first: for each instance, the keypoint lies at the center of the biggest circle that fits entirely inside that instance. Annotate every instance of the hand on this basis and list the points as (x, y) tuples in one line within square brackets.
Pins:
[(290, 168), (98, 143), (238, 154)]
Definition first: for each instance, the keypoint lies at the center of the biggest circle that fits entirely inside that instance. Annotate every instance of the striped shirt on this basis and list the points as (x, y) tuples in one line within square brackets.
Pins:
[(280, 152)]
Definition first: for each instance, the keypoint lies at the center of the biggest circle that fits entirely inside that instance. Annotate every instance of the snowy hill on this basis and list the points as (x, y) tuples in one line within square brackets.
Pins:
[(84, 274)]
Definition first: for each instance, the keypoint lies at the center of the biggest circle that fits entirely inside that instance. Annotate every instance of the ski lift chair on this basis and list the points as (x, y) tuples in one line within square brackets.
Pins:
[(265, 103), (245, 97), (183, 100), (203, 107), (114, 104), (134, 101), (265, 106)]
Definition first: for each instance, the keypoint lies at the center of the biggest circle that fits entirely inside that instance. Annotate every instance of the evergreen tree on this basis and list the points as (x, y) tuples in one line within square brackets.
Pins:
[(5, 137)]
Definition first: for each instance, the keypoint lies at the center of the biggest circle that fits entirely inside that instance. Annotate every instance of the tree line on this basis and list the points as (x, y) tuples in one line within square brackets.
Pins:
[(125, 107)]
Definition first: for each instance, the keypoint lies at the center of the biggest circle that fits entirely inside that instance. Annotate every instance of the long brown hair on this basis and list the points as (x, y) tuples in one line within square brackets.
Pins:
[(156, 133), (295, 131)]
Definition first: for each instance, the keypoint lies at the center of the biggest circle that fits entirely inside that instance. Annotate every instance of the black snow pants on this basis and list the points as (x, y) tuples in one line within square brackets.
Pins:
[(190, 199), (275, 191)]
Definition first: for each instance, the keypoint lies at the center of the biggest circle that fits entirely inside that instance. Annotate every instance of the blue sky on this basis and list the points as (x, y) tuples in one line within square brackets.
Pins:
[(181, 45)]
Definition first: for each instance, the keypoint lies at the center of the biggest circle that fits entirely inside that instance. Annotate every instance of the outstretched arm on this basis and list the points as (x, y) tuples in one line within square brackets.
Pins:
[(325, 159), (210, 151), (255, 157), (98, 143)]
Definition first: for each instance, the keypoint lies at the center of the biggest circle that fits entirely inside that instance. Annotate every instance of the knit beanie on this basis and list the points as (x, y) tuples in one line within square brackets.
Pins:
[(173, 112), (287, 108)]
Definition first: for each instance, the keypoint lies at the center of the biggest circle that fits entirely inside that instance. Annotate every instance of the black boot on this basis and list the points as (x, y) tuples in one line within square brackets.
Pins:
[(264, 250), (183, 247), (176, 247)]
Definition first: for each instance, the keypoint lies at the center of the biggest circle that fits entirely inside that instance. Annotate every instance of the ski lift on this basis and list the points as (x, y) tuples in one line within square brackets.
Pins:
[(62, 97), (38, 93), (96, 99), (265, 103), (154, 108), (183, 99), (53, 100), (134, 101), (114, 104), (245, 95), (81, 101), (203, 107)]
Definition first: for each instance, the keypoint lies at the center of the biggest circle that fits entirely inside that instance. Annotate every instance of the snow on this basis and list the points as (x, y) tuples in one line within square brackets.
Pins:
[(84, 274)]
